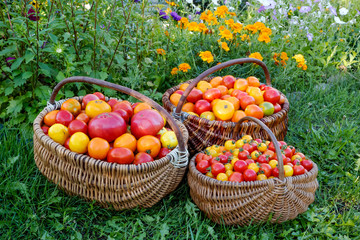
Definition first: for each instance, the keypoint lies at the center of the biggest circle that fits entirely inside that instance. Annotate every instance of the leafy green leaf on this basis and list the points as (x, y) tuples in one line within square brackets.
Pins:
[(43, 92), (8, 50), (69, 94), (9, 90), (19, 81), (53, 38), (27, 75), (17, 63), (66, 36), (60, 76), (164, 230), (29, 56), (14, 107), (103, 75)]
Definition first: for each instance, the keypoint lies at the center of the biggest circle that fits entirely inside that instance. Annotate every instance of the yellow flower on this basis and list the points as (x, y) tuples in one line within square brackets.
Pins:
[(264, 38), (221, 11), (183, 22), (202, 27), (221, 28), (301, 61), (226, 34), (213, 21), (251, 28), (286, 36), (206, 15), (35, 4), (160, 51), (259, 26), (244, 37), (304, 67), (168, 11), (184, 67), (284, 57), (225, 46), (298, 7), (229, 22), (193, 26), (206, 56), (266, 31), (171, 3), (290, 12), (237, 27), (321, 30), (174, 71), (256, 55)]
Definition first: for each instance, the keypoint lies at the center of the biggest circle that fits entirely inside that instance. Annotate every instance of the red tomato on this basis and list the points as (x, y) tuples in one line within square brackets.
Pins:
[(249, 175), (288, 152), (214, 160), (236, 177), (301, 155), (271, 95), (282, 99), (203, 166), (307, 164), (199, 157), (77, 126), (45, 129), (265, 169), (246, 100), (262, 87), (239, 95), (225, 97), (123, 114), (248, 161), (195, 95), (66, 144), (282, 143), (146, 122), (243, 154), (258, 140), (181, 92), (292, 149), (277, 108), (202, 106), (100, 95), (108, 126), (120, 156), (217, 168), (223, 158), (283, 157), (263, 158), (286, 160), (163, 152), (112, 102), (247, 147), (124, 106), (142, 157), (298, 169), (211, 94), (87, 98), (275, 172), (296, 162), (271, 146), (229, 81), (240, 166), (64, 117)]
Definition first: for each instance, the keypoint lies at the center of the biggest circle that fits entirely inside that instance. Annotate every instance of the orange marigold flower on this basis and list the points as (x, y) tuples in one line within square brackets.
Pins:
[(183, 22), (193, 26), (226, 34), (256, 55), (171, 3), (202, 27), (237, 27), (174, 71), (160, 51), (276, 55), (264, 38), (221, 11), (221, 28), (266, 31), (206, 15), (284, 56), (229, 22), (225, 46), (184, 67), (232, 14), (259, 26), (251, 28), (301, 61), (245, 37), (167, 33), (304, 67), (213, 21), (206, 56)]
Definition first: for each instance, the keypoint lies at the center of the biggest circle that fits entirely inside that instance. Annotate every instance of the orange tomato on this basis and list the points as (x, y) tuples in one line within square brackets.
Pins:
[(183, 86), (256, 93), (223, 110), (72, 105), (230, 91), (216, 81), (253, 81), (126, 141), (141, 106), (214, 102), (223, 89), (241, 84), (96, 107), (203, 86), (188, 107), (83, 117), (175, 98), (208, 115), (98, 148), (149, 144), (234, 101), (255, 111), (49, 118), (239, 114)]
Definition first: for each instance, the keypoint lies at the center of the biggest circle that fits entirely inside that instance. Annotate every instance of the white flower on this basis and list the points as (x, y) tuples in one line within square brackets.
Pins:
[(198, 9), (59, 50), (262, 19), (266, 2), (337, 20), (189, 1), (231, 8), (87, 6), (215, 2), (343, 11)]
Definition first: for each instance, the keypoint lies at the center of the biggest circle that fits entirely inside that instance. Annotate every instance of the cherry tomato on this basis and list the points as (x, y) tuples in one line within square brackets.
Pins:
[(263, 158), (307, 164), (236, 177), (261, 177), (288, 152), (223, 158), (247, 147), (163, 152), (64, 117), (243, 154), (222, 177), (262, 147), (199, 157), (265, 169), (254, 167), (240, 166), (273, 163), (299, 169), (249, 175), (217, 168), (301, 155), (275, 172), (288, 171), (249, 161), (230, 144), (229, 166), (203, 166)]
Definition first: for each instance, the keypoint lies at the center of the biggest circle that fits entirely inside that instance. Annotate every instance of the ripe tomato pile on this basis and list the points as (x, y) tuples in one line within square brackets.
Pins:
[(230, 99), (250, 160), (113, 131)]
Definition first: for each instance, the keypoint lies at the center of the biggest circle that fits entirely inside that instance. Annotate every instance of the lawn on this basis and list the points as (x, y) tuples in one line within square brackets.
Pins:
[(324, 111)]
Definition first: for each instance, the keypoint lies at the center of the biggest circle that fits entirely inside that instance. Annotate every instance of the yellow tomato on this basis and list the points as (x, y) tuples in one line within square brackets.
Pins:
[(255, 92), (222, 177), (288, 171), (239, 143), (96, 107), (228, 166), (223, 110), (262, 147), (229, 172), (192, 113), (169, 140), (254, 167), (273, 163), (234, 160), (162, 131), (267, 143), (296, 157), (255, 154), (59, 133), (229, 145), (261, 177), (208, 115), (213, 153), (235, 152), (247, 138), (79, 142), (204, 86), (209, 174)]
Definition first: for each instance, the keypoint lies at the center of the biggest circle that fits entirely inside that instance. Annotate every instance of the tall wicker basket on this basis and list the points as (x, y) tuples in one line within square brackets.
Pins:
[(203, 132), (122, 186), (230, 203)]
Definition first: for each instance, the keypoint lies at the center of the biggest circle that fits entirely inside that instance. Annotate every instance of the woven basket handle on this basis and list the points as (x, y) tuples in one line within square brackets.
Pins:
[(128, 91), (217, 68), (273, 139)]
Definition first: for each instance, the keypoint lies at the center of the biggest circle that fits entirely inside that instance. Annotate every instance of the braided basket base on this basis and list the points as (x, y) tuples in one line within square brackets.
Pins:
[(233, 203), (122, 186)]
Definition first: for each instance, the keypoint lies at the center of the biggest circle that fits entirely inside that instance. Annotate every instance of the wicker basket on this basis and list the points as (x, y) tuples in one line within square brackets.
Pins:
[(122, 186), (203, 132), (245, 202)]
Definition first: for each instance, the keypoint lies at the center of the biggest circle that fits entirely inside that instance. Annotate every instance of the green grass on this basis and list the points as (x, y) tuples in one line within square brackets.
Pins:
[(323, 123)]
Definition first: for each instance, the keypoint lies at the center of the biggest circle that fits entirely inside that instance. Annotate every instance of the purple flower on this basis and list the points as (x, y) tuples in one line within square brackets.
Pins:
[(310, 36), (163, 15), (136, 1), (44, 44), (102, 26), (31, 15), (358, 12), (198, 13), (274, 17), (175, 16), (262, 8), (333, 10), (305, 9), (9, 62), (189, 17), (315, 1), (247, 3)]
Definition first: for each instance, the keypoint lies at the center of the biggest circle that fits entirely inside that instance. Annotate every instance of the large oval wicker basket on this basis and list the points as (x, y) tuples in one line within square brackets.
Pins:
[(276, 199), (203, 132), (122, 186)]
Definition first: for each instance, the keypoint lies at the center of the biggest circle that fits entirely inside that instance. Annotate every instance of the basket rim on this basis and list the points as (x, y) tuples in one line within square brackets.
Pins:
[(167, 103), (273, 181), (144, 167)]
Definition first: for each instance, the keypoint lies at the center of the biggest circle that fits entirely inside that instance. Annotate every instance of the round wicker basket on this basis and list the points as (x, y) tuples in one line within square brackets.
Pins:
[(203, 132), (122, 186), (276, 199)]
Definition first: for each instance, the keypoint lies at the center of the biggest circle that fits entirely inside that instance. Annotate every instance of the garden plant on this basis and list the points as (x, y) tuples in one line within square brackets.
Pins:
[(311, 48)]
